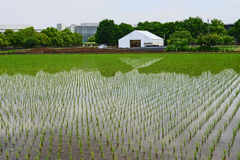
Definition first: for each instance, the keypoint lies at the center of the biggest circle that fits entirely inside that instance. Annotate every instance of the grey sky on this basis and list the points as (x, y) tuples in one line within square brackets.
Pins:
[(45, 13)]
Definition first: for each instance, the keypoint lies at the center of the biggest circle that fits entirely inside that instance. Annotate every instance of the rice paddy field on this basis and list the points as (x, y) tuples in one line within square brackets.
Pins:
[(121, 106)]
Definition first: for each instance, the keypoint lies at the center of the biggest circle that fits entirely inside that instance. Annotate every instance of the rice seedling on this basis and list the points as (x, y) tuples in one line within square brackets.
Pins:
[(16, 154), (58, 155), (28, 151), (143, 150), (214, 142), (211, 149), (125, 152), (238, 156), (19, 149), (5, 139), (197, 145), (137, 153), (26, 156), (156, 150), (195, 154), (132, 148), (92, 154), (1, 145), (149, 155), (150, 144), (6, 153), (103, 155)]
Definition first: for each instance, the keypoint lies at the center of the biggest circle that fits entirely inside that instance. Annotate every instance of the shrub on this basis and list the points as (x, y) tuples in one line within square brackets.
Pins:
[(173, 48), (91, 39), (180, 38)]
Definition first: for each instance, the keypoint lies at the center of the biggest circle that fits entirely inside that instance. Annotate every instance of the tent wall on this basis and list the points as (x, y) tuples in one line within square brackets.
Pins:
[(158, 42), (124, 42)]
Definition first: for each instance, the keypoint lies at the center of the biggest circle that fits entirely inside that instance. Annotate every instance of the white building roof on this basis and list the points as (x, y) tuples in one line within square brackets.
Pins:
[(90, 24), (148, 34), (6, 26)]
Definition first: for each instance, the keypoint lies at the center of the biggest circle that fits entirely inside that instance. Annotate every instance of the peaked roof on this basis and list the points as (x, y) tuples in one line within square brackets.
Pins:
[(148, 34)]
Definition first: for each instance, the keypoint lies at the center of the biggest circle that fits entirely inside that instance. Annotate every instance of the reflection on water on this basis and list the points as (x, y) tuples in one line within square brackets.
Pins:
[(140, 63)]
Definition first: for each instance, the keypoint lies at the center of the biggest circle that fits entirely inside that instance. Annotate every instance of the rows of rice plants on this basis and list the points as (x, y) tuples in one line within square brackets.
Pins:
[(83, 115)]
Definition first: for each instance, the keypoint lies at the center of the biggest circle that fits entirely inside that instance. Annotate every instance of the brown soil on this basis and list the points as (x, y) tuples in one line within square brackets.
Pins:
[(83, 51)]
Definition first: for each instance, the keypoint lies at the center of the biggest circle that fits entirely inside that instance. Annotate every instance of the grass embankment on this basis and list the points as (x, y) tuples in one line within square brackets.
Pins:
[(108, 65)]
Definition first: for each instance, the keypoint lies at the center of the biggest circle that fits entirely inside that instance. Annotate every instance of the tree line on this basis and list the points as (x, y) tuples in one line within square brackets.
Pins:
[(30, 38), (181, 40), (109, 33)]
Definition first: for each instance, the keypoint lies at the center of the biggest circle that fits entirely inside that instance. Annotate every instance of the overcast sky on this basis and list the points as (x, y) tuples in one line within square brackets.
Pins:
[(45, 13)]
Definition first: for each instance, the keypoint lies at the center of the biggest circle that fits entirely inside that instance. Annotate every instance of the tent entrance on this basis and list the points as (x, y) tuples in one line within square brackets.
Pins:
[(135, 43)]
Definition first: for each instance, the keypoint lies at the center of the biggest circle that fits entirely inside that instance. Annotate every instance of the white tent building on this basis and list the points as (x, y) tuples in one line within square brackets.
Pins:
[(139, 39)]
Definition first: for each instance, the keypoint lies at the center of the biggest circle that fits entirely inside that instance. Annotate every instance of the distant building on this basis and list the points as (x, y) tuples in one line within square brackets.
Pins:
[(61, 26), (228, 26), (139, 38), (15, 28), (72, 27), (85, 29)]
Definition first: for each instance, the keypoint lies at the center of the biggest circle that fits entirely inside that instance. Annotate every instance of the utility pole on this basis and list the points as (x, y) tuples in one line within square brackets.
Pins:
[(208, 27), (164, 40)]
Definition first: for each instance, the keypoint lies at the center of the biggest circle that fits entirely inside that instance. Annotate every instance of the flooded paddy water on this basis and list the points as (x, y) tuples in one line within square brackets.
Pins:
[(80, 114)]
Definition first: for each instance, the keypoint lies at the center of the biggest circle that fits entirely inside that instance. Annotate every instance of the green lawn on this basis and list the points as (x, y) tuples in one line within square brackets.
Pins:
[(109, 64)]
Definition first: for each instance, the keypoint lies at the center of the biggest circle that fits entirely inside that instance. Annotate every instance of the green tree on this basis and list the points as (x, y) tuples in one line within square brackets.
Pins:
[(31, 42), (4, 41), (115, 35), (10, 34), (67, 37), (91, 39), (227, 39), (156, 28), (108, 32), (217, 27), (211, 40), (180, 38), (1, 42), (70, 38), (27, 36), (20, 36), (104, 31), (125, 29), (74, 39), (54, 35), (235, 30), (79, 38), (195, 26), (178, 26), (168, 28), (43, 39)]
